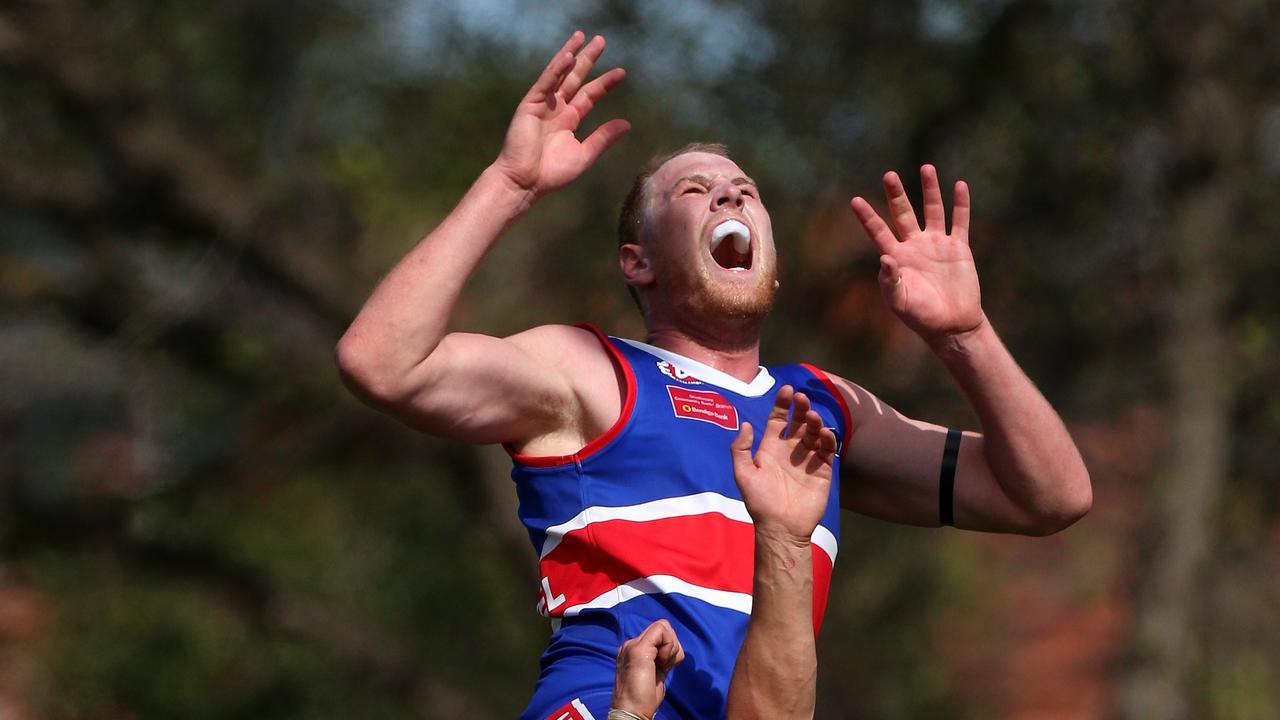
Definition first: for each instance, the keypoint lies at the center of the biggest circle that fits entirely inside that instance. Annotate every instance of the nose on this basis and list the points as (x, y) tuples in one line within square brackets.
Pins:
[(726, 195)]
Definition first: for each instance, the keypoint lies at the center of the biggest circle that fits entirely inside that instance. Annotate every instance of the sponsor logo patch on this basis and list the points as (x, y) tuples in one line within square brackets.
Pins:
[(703, 405), (677, 374), (574, 710)]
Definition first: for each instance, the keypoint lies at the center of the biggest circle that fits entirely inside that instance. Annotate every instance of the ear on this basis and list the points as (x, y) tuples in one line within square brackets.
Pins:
[(637, 271)]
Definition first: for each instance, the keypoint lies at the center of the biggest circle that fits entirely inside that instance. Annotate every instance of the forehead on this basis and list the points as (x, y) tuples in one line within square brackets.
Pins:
[(695, 163)]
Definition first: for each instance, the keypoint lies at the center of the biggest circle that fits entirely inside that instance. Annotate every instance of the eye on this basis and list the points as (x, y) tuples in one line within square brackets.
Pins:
[(692, 188)]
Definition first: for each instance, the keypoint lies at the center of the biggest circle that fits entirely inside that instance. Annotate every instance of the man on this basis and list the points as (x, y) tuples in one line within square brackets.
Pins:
[(785, 487), (618, 445)]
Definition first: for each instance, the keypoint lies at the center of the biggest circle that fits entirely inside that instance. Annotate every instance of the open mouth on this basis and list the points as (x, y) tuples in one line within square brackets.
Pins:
[(731, 245)]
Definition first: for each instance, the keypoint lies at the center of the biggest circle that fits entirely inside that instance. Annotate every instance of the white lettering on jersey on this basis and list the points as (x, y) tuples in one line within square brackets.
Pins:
[(548, 600), (677, 374)]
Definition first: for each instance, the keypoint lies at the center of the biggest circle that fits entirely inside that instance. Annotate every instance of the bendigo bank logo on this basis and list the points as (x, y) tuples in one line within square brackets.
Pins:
[(677, 374), (703, 405)]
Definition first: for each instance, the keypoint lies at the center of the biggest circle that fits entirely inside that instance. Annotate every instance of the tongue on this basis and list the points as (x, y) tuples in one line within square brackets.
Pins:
[(727, 255)]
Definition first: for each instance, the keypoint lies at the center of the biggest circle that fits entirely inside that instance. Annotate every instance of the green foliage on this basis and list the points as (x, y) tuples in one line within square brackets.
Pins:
[(196, 197)]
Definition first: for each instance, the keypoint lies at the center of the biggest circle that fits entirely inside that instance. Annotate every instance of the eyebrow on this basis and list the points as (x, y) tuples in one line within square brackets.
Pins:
[(705, 180)]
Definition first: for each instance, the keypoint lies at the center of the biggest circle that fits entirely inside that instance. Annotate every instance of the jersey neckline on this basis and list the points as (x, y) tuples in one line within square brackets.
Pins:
[(758, 386)]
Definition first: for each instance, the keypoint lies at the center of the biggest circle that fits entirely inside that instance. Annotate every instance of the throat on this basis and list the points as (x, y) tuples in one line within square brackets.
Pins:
[(728, 257), (739, 359)]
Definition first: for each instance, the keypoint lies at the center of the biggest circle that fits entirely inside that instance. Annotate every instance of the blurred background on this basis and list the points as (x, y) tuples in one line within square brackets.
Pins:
[(198, 521)]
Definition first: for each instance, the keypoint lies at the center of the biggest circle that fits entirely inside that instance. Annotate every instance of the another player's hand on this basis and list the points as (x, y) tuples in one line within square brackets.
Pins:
[(541, 152), (787, 483), (927, 276), (643, 664)]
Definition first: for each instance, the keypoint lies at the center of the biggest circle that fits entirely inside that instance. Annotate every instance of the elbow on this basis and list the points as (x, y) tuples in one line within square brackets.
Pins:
[(361, 373), (375, 375), (1068, 506)]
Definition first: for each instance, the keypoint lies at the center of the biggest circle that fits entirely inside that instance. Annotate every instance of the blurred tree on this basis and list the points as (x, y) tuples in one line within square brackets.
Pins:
[(1202, 180), (196, 196)]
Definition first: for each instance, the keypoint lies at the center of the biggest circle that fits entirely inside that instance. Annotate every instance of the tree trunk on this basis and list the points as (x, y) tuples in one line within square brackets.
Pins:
[(1166, 647), (1203, 193)]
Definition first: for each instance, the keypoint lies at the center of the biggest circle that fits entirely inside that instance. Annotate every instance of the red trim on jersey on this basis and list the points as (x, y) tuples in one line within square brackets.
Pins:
[(844, 406), (595, 445)]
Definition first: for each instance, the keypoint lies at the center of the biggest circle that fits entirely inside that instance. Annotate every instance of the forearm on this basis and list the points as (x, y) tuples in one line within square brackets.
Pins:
[(1027, 447), (408, 313), (776, 673)]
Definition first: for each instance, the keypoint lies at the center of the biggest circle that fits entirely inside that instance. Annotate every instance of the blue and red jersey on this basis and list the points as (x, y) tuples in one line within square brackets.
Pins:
[(646, 522)]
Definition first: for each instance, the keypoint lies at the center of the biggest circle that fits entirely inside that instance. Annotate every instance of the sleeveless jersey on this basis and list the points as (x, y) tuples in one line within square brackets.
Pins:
[(646, 522)]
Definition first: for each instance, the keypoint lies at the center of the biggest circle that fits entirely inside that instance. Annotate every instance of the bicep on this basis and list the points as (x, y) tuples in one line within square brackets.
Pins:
[(892, 466), (484, 389)]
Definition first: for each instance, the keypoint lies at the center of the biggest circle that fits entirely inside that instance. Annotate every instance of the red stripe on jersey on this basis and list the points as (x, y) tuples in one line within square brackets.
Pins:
[(823, 565), (708, 551)]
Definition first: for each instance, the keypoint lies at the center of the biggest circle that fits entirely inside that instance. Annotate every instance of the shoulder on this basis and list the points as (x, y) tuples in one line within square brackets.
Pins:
[(861, 405), (580, 354), (565, 346)]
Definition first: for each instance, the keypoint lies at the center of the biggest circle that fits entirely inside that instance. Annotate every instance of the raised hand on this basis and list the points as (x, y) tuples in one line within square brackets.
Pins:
[(643, 664), (542, 152), (927, 276), (787, 483)]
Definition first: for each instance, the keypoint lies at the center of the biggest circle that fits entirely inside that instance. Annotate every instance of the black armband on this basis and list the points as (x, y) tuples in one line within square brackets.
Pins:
[(947, 477)]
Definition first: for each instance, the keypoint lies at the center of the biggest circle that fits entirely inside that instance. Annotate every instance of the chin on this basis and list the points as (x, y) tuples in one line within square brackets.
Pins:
[(734, 302)]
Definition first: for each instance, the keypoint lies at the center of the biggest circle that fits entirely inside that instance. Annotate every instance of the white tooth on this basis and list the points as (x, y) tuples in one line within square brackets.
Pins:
[(741, 235)]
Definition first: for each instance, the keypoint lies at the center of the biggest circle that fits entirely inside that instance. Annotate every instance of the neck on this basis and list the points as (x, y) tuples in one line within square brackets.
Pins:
[(736, 354)]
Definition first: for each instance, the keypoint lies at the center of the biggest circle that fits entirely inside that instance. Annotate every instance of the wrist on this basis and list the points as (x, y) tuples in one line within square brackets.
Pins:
[(509, 196), (780, 542), (959, 343), (630, 700)]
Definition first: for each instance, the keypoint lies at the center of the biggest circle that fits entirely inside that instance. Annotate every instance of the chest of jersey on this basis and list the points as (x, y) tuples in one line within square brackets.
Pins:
[(651, 508)]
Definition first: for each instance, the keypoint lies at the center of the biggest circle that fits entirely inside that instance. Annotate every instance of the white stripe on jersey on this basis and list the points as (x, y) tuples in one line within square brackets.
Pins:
[(826, 540), (664, 585), (698, 504)]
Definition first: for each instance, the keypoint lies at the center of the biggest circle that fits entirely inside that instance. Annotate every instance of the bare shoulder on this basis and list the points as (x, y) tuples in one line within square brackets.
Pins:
[(581, 359), (556, 344), (864, 406)]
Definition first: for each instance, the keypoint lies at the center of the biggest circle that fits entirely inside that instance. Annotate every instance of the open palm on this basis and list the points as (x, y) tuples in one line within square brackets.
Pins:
[(787, 483), (927, 275), (541, 152)]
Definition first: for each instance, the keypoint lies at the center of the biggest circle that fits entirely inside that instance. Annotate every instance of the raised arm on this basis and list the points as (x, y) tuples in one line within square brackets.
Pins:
[(396, 355), (785, 487), (1022, 473)]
